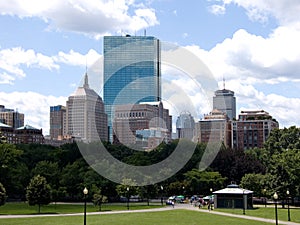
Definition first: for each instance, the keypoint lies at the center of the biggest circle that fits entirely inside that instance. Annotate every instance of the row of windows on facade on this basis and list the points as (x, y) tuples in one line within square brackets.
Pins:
[(132, 115)]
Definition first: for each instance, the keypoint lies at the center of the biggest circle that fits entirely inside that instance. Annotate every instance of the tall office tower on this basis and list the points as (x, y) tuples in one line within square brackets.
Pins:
[(86, 119), (185, 126), (57, 122), (252, 129), (131, 118), (131, 72), (11, 118), (215, 127), (224, 101)]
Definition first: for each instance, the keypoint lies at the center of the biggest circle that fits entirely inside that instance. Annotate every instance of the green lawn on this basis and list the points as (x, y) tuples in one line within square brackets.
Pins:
[(171, 217), (268, 212), (24, 208), (153, 218)]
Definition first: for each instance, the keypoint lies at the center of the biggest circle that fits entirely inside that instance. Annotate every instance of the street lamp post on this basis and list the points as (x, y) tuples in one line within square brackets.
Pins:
[(211, 201), (127, 198), (244, 210), (85, 192), (275, 196), (265, 198), (288, 203), (161, 198)]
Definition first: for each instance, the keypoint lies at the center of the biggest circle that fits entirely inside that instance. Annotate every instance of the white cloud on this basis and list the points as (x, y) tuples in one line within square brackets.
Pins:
[(246, 55), (36, 107), (95, 18), (286, 12), (283, 109), (252, 64), (6, 79), (185, 35), (14, 61), (217, 9), (77, 59)]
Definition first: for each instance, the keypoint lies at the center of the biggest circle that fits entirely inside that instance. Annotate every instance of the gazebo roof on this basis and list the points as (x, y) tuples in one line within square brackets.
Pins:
[(233, 189)]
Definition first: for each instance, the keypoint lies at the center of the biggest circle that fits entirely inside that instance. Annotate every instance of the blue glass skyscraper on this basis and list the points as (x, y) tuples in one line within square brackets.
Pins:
[(131, 71)]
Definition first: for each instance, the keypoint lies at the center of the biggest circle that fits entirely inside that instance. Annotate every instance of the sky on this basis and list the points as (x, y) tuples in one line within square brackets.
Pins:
[(47, 46)]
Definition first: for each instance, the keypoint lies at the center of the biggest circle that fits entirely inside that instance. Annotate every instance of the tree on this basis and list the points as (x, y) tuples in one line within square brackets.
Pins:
[(255, 183), (283, 139), (284, 170), (72, 177), (99, 198), (18, 177), (9, 155), (177, 188), (200, 182), (9, 167), (49, 170), (38, 192), (2, 195), (148, 191), (127, 188), (234, 164), (34, 153)]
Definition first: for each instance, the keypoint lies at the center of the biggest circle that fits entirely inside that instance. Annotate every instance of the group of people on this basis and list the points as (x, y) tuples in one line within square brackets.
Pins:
[(200, 202)]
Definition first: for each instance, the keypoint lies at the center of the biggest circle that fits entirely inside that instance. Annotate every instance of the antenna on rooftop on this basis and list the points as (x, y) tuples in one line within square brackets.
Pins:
[(223, 83), (145, 32), (86, 82), (86, 65)]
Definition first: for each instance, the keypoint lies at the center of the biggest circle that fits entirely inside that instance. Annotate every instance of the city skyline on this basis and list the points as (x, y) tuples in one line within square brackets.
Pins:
[(46, 46)]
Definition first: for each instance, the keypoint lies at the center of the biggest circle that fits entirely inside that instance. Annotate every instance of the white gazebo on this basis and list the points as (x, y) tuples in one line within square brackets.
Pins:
[(233, 197)]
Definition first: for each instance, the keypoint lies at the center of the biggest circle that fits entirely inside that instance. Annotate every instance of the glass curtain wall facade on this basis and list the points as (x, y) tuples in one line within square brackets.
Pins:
[(57, 121), (131, 72)]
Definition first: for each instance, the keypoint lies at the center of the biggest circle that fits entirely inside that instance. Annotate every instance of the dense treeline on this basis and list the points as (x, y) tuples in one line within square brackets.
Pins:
[(276, 167)]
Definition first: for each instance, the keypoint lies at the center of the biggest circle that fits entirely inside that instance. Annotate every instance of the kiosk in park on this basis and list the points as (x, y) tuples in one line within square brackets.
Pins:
[(233, 197)]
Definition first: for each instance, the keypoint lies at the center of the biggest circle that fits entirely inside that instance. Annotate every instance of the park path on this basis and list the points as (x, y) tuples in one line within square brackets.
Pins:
[(89, 213), (191, 207), (177, 206)]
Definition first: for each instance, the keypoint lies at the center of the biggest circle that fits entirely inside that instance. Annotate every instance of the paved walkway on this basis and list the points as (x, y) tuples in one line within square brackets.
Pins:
[(89, 213), (191, 207), (178, 206)]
